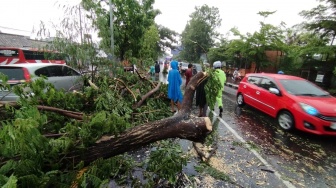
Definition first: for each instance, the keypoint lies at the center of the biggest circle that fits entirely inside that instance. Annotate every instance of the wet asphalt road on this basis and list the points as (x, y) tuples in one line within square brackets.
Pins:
[(255, 152), (297, 159)]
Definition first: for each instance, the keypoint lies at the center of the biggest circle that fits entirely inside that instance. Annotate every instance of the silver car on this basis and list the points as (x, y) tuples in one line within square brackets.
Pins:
[(60, 75)]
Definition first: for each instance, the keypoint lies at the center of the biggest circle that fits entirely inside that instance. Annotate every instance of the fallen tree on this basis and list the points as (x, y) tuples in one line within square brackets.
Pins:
[(56, 138), (182, 125)]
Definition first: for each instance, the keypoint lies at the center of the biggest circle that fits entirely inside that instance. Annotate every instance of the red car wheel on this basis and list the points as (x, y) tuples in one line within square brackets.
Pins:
[(286, 120)]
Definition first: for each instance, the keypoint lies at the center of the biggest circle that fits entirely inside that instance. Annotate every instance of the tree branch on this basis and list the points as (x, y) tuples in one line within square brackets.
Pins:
[(143, 98)]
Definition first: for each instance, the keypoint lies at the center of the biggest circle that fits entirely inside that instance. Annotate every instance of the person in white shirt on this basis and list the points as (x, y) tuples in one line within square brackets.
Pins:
[(235, 74)]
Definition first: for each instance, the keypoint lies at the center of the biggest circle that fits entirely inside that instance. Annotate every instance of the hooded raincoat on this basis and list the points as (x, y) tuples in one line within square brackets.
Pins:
[(222, 78), (174, 83)]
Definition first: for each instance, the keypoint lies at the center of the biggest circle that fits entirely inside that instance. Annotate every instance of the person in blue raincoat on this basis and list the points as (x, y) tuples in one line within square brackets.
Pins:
[(174, 86)]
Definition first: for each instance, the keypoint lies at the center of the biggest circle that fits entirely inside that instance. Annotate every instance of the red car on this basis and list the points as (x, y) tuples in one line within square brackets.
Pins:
[(295, 102)]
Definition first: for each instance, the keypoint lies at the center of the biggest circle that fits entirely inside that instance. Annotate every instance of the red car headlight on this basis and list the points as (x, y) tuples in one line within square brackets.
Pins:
[(309, 109)]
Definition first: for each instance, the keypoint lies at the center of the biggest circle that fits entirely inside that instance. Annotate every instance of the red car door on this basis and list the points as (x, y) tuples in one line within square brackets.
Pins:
[(267, 101), (250, 90)]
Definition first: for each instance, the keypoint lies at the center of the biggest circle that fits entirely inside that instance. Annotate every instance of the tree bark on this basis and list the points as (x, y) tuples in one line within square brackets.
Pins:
[(143, 98), (181, 125)]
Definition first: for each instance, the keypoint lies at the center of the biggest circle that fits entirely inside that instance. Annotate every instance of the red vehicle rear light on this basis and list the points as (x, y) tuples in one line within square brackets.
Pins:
[(26, 74)]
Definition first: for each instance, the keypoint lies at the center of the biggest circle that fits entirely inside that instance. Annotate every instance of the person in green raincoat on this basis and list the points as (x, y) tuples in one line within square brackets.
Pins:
[(222, 78)]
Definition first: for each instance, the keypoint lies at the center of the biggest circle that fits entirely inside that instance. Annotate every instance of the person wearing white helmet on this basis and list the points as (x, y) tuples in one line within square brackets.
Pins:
[(222, 78), (235, 74)]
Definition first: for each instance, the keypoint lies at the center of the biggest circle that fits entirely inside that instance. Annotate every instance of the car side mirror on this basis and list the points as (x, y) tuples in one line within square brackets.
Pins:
[(274, 91)]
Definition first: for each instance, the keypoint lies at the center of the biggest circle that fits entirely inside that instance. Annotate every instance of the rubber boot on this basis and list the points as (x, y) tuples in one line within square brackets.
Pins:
[(220, 111)]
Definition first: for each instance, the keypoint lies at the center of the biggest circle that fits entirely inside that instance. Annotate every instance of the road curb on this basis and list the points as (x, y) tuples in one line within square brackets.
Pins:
[(231, 85)]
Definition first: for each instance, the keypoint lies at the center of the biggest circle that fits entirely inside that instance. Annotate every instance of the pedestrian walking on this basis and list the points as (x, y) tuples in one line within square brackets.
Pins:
[(201, 101), (174, 86), (219, 73), (157, 68), (151, 70), (188, 74)]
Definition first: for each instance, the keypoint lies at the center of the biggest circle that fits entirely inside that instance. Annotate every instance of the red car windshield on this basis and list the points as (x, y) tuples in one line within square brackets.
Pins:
[(302, 87)]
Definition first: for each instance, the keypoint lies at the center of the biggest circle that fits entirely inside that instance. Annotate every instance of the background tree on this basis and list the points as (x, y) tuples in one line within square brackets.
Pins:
[(131, 20), (149, 50), (218, 53), (237, 52), (168, 38), (253, 47), (200, 32), (73, 39), (322, 21)]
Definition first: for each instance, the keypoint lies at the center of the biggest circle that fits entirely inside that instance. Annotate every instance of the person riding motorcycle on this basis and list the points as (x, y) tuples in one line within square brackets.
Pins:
[(236, 75)]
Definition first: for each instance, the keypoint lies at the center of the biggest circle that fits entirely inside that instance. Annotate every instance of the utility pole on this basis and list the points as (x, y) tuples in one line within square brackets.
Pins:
[(80, 24), (112, 38)]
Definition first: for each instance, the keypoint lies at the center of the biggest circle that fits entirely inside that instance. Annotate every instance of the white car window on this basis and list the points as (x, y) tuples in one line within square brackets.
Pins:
[(253, 80), (55, 71), (266, 84), (42, 72), (67, 71)]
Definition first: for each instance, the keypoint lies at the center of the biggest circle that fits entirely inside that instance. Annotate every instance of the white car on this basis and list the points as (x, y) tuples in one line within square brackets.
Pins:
[(197, 68), (183, 67), (60, 75)]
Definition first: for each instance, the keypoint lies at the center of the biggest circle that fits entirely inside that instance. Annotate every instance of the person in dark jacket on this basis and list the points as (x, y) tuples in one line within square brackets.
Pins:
[(157, 68), (201, 99)]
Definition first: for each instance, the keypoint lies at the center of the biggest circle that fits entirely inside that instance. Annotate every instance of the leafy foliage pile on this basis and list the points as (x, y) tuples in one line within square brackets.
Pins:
[(33, 140), (211, 88)]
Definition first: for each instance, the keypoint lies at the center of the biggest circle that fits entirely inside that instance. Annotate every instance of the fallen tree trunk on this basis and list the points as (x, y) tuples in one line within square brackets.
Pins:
[(182, 125), (194, 129)]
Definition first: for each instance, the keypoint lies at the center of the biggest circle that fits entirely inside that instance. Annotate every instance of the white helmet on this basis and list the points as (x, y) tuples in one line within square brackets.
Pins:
[(217, 64)]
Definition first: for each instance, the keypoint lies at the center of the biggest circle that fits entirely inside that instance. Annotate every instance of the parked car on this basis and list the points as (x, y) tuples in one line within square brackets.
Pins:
[(60, 75), (183, 67), (296, 103)]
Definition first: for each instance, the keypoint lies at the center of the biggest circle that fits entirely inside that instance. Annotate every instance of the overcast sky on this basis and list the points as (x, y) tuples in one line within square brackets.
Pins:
[(23, 15), (234, 13)]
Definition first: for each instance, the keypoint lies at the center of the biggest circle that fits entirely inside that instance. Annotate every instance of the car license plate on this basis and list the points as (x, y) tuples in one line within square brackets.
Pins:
[(333, 126)]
